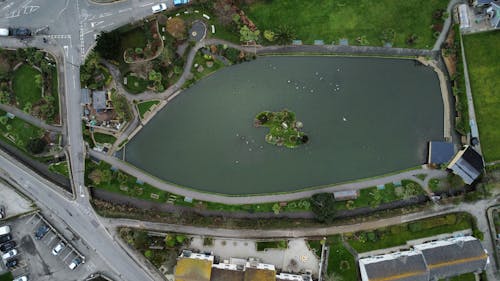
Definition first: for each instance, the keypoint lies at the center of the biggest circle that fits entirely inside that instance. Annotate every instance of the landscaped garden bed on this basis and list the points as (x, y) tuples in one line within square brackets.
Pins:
[(28, 138), (28, 81), (278, 244), (283, 128), (341, 263), (146, 106)]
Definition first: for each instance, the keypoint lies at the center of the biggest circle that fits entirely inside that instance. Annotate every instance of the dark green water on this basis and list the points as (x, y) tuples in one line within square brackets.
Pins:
[(364, 116)]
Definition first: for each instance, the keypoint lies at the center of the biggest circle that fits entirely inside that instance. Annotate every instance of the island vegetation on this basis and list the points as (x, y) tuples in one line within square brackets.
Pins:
[(283, 128)]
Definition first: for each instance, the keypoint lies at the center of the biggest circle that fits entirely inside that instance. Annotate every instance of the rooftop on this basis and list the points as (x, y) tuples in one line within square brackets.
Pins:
[(99, 100), (193, 269), (402, 266)]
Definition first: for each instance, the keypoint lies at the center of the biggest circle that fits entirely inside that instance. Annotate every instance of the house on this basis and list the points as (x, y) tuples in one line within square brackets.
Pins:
[(399, 266), (345, 195), (99, 100), (193, 267), (440, 152), (453, 257), (85, 96), (493, 13), (468, 164), (436, 260)]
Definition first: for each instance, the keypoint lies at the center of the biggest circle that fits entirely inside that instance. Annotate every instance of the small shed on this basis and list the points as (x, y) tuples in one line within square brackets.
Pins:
[(85, 96), (99, 100), (463, 12), (345, 195), (440, 152)]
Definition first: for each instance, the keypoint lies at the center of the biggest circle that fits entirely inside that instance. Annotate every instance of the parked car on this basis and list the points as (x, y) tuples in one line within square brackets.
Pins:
[(20, 32), (4, 230), (2, 208), (5, 238), (58, 248), (41, 231), (21, 278), (9, 254), (159, 8), (74, 263), (4, 32), (8, 246), (11, 263)]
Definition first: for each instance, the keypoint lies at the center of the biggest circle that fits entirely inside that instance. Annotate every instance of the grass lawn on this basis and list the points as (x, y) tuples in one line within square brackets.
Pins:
[(483, 67), (202, 61), (135, 84), (60, 168), (280, 244), (18, 132), (335, 19), (341, 263), (463, 277), (143, 107), (133, 38), (104, 138), (6, 277), (397, 235), (24, 86)]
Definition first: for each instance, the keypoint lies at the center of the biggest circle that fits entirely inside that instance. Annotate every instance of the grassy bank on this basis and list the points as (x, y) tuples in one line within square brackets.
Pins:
[(144, 107), (60, 168), (483, 66), (368, 22)]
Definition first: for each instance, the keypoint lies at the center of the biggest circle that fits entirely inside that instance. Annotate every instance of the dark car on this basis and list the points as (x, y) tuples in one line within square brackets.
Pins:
[(41, 231), (5, 238), (2, 212), (20, 32), (11, 263), (8, 246)]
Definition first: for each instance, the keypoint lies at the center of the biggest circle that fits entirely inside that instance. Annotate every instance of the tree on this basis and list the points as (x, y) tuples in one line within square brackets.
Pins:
[(176, 27), (246, 35), (156, 78), (108, 44), (284, 34), (276, 208), (121, 106), (38, 80), (37, 146), (323, 206), (27, 107), (269, 35)]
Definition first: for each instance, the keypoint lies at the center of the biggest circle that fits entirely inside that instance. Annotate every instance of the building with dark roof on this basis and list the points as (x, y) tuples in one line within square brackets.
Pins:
[(440, 152), (453, 257), (427, 262), (400, 266), (468, 164), (99, 100)]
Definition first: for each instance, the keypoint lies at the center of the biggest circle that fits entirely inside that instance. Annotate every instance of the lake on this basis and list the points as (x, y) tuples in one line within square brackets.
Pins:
[(364, 117)]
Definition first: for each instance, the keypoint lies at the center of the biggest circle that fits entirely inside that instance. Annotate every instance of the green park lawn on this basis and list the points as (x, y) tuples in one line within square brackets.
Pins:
[(335, 19), (24, 86), (144, 107), (463, 277), (104, 138), (278, 244), (482, 56), (397, 235), (136, 84), (18, 132), (6, 277), (341, 262)]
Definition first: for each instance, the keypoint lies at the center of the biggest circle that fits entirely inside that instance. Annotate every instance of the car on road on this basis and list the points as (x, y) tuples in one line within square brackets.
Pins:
[(8, 246), (74, 263), (9, 254), (41, 231), (5, 238), (4, 32), (4, 230), (58, 248), (21, 278), (2, 208), (11, 263), (20, 32), (159, 8)]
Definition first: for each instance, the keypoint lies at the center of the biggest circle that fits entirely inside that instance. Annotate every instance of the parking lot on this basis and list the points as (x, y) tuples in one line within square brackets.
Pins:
[(35, 257), (14, 203)]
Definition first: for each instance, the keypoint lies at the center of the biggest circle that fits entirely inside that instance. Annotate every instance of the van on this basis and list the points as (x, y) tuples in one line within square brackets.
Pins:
[(4, 32), (4, 230)]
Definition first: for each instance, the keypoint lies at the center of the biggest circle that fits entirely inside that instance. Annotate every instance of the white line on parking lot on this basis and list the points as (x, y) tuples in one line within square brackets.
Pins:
[(64, 259), (29, 220)]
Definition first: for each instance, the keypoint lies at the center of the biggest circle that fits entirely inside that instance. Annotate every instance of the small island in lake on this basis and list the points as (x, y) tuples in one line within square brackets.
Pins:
[(283, 128)]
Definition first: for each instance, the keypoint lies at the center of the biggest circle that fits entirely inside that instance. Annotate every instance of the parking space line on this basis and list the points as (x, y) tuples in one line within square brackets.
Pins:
[(30, 219), (64, 260)]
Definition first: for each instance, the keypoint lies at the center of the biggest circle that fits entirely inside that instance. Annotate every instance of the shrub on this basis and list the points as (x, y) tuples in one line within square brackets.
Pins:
[(148, 254), (372, 236), (36, 146)]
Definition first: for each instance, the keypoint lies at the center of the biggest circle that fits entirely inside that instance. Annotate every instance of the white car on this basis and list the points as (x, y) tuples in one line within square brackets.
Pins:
[(159, 8), (74, 263), (58, 248), (21, 278), (9, 254)]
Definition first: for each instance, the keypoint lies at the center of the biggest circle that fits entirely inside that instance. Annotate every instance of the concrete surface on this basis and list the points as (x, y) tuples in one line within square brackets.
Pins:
[(14, 203)]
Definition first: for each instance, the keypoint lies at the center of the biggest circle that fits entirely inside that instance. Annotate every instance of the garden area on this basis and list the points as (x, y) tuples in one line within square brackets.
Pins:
[(146, 106), (413, 23), (60, 168), (483, 69), (278, 244), (341, 263), (26, 137), (283, 128), (93, 74), (135, 84), (397, 235), (28, 81), (104, 138), (6, 276)]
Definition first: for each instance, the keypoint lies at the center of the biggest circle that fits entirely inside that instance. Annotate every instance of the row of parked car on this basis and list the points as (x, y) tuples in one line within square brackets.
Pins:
[(9, 251), (58, 248)]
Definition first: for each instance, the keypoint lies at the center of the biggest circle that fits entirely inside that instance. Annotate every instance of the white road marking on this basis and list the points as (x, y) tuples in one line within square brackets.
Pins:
[(147, 4), (66, 49), (94, 23), (82, 194)]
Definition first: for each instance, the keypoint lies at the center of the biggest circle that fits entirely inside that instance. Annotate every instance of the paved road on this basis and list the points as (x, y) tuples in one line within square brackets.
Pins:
[(30, 118), (81, 219)]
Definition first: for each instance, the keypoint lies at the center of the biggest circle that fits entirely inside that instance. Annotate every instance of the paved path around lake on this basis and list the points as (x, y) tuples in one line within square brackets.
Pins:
[(253, 199)]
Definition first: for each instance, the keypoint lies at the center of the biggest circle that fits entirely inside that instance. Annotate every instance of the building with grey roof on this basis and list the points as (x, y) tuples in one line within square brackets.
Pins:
[(453, 257), (399, 266), (468, 164), (85, 96), (440, 152), (99, 100)]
